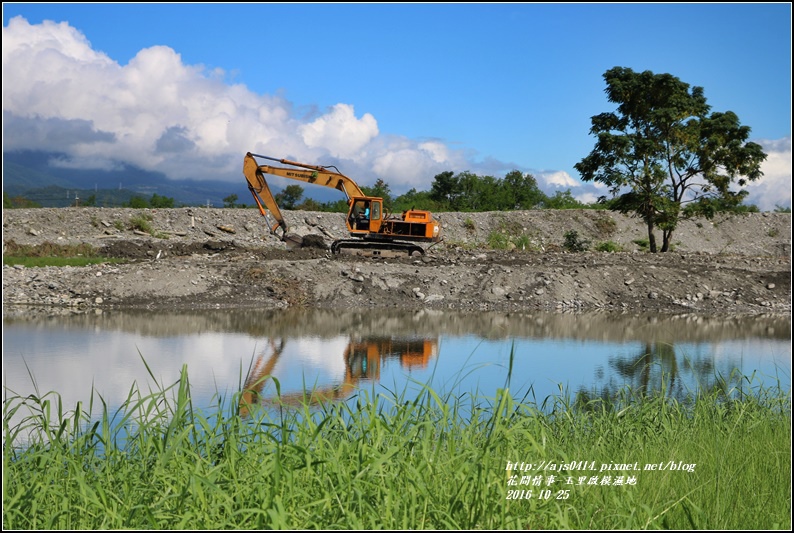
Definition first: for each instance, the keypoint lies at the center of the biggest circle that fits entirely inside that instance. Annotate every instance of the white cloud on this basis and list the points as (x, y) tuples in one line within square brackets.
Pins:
[(774, 188), (162, 115), (557, 179), (438, 151), (340, 132)]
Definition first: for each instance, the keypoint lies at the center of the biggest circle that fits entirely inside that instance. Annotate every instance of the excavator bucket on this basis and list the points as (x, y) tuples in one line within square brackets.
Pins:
[(292, 240)]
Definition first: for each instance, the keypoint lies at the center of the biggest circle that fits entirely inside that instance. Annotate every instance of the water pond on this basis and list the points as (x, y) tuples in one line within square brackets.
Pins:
[(337, 354)]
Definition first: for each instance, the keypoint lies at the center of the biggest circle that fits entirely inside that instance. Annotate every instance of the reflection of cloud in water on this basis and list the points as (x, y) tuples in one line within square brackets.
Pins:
[(324, 355), (308, 362), (749, 350), (110, 362)]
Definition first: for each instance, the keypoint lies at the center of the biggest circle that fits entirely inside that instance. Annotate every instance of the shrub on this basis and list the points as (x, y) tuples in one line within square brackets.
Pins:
[(498, 240), (141, 223), (573, 243), (609, 246)]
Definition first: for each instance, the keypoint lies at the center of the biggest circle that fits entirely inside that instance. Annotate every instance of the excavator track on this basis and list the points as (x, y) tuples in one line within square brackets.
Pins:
[(375, 248)]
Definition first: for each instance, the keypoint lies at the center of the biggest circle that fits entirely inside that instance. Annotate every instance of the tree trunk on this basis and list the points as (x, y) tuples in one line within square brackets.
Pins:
[(651, 237), (667, 236)]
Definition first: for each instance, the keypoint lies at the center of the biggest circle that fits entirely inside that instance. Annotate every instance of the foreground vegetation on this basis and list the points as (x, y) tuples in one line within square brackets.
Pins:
[(375, 462)]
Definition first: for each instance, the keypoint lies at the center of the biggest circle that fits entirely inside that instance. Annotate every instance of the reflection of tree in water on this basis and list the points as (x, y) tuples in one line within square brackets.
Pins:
[(655, 371)]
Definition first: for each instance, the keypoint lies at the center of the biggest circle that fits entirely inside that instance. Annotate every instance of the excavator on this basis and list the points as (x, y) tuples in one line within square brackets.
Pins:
[(373, 230), (362, 358)]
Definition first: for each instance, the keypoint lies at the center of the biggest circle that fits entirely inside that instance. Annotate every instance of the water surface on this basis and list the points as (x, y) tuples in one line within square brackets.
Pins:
[(337, 354)]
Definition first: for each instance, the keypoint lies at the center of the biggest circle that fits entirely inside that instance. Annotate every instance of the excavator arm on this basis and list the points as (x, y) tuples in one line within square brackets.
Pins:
[(315, 174), (318, 175), (362, 357), (262, 196)]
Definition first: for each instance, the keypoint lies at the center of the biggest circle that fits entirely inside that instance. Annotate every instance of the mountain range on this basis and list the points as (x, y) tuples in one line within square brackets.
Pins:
[(28, 174)]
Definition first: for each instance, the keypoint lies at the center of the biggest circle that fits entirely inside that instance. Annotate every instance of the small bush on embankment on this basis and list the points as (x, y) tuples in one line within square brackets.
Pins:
[(379, 462)]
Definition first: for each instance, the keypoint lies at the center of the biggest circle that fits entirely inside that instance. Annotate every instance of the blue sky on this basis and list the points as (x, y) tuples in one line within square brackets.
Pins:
[(399, 92)]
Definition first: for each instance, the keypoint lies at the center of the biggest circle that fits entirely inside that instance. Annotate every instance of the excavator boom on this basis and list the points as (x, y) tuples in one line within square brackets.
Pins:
[(318, 175)]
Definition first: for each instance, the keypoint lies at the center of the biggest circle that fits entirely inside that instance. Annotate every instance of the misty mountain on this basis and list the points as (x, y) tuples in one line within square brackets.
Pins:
[(29, 174)]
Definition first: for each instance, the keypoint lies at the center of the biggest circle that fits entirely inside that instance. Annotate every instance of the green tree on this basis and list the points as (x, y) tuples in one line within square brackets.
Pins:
[(707, 207), (230, 201), (521, 191), (663, 148), (309, 204), (289, 197), (562, 200), (18, 202), (445, 188), (415, 200), (476, 193), (337, 206), (161, 202), (381, 189), (138, 202)]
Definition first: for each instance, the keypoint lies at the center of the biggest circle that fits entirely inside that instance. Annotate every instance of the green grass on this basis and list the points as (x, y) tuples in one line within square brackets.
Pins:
[(608, 246), (49, 254), (393, 462), (57, 261), (143, 223)]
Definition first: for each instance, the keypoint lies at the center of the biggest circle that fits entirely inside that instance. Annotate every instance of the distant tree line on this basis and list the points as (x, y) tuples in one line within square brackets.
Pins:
[(135, 202), (464, 191), (156, 201)]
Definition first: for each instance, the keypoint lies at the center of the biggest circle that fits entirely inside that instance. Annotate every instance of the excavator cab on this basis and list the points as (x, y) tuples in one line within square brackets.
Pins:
[(365, 215)]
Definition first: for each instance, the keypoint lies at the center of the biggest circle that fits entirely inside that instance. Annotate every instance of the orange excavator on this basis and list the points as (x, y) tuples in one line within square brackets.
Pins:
[(362, 357), (373, 230)]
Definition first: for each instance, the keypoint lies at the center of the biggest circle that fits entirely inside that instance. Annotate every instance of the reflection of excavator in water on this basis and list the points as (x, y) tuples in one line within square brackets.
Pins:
[(362, 358), (373, 230)]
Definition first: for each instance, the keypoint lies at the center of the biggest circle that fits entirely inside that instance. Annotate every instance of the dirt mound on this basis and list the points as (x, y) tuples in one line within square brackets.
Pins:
[(198, 258)]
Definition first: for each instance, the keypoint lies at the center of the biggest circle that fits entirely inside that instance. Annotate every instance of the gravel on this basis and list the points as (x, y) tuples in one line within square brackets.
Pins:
[(196, 258)]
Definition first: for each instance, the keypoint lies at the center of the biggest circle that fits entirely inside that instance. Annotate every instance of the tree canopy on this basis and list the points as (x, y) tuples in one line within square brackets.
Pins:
[(289, 197), (663, 148), (466, 191)]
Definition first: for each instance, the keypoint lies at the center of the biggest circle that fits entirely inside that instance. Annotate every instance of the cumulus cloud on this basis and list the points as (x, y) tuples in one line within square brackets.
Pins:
[(774, 188), (558, 179), (162, 115), (51, 132), (340, 132)]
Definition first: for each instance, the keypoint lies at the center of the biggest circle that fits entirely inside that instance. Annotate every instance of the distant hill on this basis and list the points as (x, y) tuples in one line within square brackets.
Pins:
[(27, 174)]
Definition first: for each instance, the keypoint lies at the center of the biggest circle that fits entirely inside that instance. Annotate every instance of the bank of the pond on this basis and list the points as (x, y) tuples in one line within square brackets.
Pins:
[(719, 462)]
